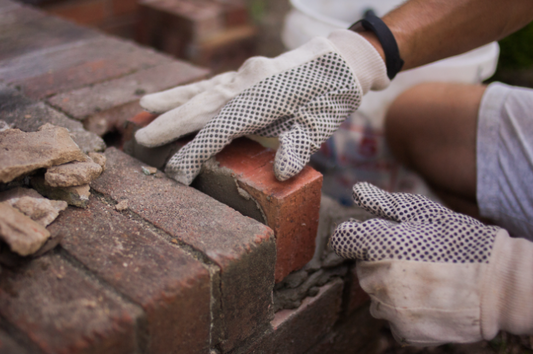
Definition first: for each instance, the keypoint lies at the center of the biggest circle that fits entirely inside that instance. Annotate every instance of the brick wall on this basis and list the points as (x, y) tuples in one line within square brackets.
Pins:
[(176, 271)]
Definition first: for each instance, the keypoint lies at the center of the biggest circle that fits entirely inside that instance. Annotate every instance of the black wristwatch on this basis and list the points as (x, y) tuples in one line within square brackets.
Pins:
[(371, 22)]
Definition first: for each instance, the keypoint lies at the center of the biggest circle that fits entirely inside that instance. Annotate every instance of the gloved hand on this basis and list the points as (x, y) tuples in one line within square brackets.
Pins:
[(437, 276), (301, 96)]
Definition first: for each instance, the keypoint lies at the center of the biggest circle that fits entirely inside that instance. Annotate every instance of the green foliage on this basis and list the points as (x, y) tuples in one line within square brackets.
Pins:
[(516, 50)]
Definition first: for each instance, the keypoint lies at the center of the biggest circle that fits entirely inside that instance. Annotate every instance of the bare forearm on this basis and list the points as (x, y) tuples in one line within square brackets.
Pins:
[(429, 30)]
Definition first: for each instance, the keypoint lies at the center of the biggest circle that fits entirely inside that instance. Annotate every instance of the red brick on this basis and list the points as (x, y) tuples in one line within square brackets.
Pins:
[(356, 295), (226, 50), (26, 31), (291, 207), (170, 285), (61, 310), (359, 333), (85, 102), (77, 65), (235, 14), (81, 12), (199, 20), (121, 7), (123, 26), (9, 346), (243, 249), (295, 331)]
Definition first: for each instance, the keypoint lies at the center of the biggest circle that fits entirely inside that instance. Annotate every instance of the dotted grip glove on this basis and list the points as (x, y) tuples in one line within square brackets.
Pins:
[(437, 276), (301, 96)]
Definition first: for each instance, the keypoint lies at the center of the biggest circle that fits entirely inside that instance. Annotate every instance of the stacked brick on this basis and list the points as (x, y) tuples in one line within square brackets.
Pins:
[(172, 270), (212, 33)]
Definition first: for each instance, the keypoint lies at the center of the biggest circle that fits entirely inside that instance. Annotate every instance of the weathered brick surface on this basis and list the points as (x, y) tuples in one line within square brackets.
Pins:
[(61, 310), (28, 115), (76, 65), (356, 295), (24, 30), (88, 12), (296, 331), (290, 208), (88, 101), (171, 286), (359, 333), (9, 346), (242, 248)]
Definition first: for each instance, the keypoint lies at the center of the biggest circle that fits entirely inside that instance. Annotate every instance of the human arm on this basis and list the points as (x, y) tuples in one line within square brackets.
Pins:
[(430, 30), (435, 275)]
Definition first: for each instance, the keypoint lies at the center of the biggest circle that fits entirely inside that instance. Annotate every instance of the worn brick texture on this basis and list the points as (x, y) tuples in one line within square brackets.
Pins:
[(243, 249), (170, 285), (242, 176), (296, 331)]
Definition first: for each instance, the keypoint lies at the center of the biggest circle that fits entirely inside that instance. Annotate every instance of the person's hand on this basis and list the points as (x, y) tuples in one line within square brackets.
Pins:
[(301, 96), (437, 276)]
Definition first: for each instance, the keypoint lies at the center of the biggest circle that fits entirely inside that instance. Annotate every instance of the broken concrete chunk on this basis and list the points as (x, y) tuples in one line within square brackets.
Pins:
[(32, 204), (22, 153), (23, 235), (122, 205), (72, 174), (76, 196), (98, 158), (4, 125)]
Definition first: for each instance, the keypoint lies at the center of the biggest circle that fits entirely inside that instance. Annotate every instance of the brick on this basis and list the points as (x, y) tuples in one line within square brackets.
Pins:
[(123, 26), (7, 5), (76, 65), (30, 31), (9, 346), (360, 333), (87, 12), (61, 310), (242, 248), (85, 102), (28, 115), (356, 295), (295, 331), (226, 50), (120, 7), (113, 119), (171, 286), (196, 20), (290, 208)]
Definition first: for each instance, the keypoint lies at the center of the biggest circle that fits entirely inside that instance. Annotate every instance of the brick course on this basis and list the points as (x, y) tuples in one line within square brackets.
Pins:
[(243, 248), (296, 331), (170, 285), (61, 310)]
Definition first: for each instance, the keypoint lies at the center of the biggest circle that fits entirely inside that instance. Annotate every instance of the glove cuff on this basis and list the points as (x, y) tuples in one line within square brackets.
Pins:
[(365, 61), (507, 288)]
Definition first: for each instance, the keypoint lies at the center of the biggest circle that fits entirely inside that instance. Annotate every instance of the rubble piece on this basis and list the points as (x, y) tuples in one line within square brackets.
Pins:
[(4, 125), (23, 235), (148, 170), (22, 153), (122, 205), (32, 204), (72, 174), (98, 158), (76, 196)]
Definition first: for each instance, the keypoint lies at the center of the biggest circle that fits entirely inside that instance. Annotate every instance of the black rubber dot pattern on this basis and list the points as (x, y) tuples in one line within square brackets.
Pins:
[(417, 229), (303, 106)]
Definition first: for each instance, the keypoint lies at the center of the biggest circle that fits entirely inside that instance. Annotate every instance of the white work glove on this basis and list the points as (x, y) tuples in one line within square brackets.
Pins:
[(301, 96), (437, 276)]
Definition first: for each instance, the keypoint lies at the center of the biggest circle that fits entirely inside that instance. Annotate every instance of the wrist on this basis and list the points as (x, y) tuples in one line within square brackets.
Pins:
[(363, 58), (507, 287)]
